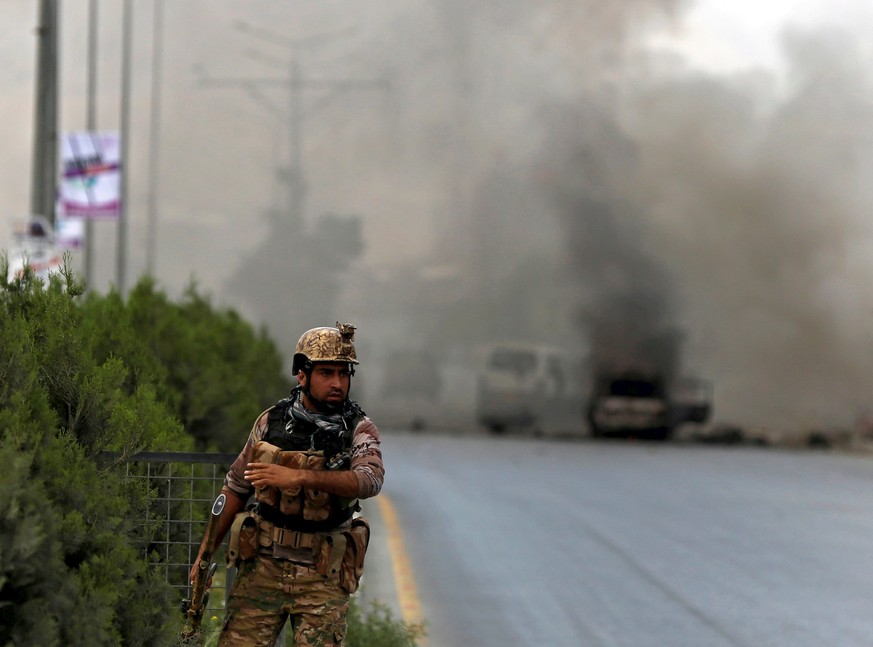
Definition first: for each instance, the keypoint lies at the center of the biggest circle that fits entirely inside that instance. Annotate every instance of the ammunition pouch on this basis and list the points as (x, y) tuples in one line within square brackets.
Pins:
[(266, 453), (342, 554), (311, 504)]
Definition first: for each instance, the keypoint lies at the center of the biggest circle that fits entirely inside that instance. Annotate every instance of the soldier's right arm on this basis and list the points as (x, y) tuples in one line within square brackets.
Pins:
[(235, 487), (232, 507)]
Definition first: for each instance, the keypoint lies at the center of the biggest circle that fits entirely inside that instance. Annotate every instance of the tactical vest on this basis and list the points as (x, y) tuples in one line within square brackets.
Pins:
[(302, 509)]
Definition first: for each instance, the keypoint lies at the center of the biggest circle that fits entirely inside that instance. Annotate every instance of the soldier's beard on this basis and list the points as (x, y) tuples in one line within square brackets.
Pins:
[(323, 406)]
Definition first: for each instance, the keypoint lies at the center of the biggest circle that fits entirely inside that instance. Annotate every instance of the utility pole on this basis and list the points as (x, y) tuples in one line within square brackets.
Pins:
[(124, 212), (91, 126), (45, 127), (296, 83), (155, 137)]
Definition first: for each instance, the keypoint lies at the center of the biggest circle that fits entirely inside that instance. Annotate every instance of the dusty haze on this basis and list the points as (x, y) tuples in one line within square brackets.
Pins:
[(496, 170)]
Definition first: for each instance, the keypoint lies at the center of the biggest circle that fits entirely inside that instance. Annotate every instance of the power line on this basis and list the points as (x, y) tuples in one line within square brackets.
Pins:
[(296, 82)]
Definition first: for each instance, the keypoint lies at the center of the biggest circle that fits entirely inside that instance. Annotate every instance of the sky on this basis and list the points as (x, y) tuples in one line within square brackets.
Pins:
[(729, 36), (537, 161)]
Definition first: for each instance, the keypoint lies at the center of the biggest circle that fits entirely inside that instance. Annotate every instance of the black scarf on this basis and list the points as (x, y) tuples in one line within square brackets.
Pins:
[(330, 433)]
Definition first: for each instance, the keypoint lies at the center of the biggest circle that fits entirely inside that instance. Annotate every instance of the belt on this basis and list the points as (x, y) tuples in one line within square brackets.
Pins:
[(294, 539)]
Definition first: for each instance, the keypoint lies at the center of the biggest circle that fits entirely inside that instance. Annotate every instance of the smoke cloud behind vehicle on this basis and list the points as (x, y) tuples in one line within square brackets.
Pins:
[(500, 169)]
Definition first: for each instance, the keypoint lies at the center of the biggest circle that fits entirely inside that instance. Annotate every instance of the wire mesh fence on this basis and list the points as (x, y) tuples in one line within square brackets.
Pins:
[(185, 486)]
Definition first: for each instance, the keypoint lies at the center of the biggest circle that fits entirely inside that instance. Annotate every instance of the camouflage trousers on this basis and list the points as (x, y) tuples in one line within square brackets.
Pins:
[(267, 591)]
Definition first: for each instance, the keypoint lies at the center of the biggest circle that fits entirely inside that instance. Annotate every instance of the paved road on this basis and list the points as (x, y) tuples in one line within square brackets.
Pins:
[(525, 542)]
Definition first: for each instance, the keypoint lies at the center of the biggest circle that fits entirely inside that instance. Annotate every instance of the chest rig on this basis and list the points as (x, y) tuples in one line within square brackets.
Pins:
[(300, 444)]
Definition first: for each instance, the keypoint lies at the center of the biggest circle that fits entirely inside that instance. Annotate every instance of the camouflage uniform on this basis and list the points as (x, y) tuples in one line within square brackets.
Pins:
[(282, 580), (267, 590)]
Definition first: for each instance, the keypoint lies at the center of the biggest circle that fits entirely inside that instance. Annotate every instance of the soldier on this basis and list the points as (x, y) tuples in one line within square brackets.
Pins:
[(298, 547)]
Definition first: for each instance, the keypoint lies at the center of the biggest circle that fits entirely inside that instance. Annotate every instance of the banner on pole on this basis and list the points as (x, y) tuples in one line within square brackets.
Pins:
[(91, 179)]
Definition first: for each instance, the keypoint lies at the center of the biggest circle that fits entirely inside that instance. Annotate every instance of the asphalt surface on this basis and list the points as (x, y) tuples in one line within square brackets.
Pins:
[(378, 583), (527, 542)]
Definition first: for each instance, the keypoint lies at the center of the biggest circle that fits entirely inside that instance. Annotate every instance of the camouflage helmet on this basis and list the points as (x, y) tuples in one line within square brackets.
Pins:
[(325, 344)]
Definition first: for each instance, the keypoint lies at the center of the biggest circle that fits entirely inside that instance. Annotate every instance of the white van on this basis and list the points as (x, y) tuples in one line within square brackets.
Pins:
[(530, 387)]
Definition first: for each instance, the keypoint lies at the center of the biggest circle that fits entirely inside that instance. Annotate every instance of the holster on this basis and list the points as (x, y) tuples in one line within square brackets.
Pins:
[(243, 542)]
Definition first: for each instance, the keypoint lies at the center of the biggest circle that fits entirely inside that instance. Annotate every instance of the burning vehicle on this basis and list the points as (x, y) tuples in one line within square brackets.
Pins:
[(644, 404)]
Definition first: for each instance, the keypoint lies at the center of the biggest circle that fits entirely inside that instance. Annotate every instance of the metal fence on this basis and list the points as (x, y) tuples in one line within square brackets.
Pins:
[(186, 485)]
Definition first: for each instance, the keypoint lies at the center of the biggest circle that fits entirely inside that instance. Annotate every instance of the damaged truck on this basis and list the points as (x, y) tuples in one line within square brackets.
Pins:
[(643, 403)]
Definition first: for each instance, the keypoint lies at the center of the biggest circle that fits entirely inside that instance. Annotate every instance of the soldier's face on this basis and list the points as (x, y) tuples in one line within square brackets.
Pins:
[(328, 383)]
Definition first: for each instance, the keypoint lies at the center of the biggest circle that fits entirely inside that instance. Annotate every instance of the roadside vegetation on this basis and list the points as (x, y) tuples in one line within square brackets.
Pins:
[(81, 375)]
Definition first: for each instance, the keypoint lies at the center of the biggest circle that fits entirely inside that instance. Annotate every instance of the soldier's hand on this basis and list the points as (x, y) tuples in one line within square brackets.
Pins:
[(194, 568), (192, 574), (270, 474)]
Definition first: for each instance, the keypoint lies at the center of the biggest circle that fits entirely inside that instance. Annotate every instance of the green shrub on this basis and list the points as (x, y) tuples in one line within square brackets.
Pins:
[(70, 543), (84, 375), (375, 626), (211, 368)]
